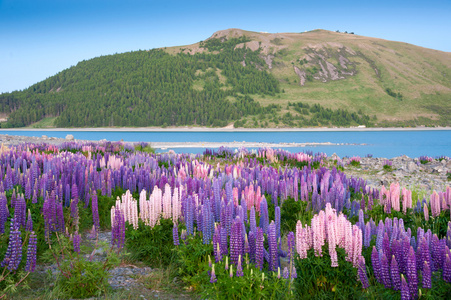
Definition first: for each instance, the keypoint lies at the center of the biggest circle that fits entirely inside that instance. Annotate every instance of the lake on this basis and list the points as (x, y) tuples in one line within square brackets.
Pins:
[(378, 143)]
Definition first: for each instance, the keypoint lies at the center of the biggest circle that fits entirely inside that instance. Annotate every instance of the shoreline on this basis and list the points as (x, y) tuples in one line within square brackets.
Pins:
[(227, 129)]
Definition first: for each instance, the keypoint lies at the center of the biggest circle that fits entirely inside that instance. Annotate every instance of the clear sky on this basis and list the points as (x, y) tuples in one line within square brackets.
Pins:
[(39, 38)]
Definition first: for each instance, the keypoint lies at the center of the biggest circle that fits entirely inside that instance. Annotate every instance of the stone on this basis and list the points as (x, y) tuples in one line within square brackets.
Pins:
[(69, 137)]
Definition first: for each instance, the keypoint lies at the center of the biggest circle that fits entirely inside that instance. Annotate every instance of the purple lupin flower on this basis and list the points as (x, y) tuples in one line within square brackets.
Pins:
[(31, 253), (252, 220), (29, 226), (4, 212), (376, 264), (239, 268), (362, 273), (213, 275), (385, 272), (286, 274), (264, 217), (273, 256), (118, 229), (95, 212), (13, 254), (412, 273), (236, 241), (277, 221), (394, 273), (447, 268), (76, 241), (175, 234), (405, 294), (223, 242), (252, 246), (259, 248), (427, 283)]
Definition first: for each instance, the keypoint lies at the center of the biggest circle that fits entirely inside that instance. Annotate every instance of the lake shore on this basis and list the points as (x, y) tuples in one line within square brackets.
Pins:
[(229, 129)]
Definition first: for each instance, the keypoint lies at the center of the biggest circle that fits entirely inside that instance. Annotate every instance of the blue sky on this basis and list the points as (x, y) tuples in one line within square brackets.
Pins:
[(39, 38)]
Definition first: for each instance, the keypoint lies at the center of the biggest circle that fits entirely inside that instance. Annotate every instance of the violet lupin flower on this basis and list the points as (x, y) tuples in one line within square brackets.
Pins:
[(118, 228), (286, 274), (31, 253), (264, 217), (447, 268), (394, 273), (277, 220), (13, 254), (385, 272), (213, 275), (252, 246), (236, 241), (362, 273), (76, 241), (95, 211), (376, 264), (405, 294), (273, 256), (259, 248), (4, 212), (412, 273), (175, 234), (239, 268), (427, 283), (29, 226)]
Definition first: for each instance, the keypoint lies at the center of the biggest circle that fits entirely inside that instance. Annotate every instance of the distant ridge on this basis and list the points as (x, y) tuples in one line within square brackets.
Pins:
[(249, 79)]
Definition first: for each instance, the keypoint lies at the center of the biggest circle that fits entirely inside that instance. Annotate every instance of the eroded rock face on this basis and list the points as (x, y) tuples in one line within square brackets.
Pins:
[(327, 62), (301, 74)]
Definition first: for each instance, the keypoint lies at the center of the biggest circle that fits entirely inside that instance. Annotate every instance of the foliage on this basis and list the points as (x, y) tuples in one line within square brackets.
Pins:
[(192, 260), (254, 284), (292, 211), (318, 280), (83, 277), (152, 245)]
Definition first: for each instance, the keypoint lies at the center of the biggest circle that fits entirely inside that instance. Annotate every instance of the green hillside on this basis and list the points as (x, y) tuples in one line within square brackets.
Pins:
[(316, 78)]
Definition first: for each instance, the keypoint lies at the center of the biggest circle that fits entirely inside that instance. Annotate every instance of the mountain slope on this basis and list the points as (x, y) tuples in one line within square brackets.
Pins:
[(316, 78)]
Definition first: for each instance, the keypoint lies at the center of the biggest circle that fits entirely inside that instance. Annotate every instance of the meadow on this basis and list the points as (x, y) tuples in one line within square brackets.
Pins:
[(265, 224)]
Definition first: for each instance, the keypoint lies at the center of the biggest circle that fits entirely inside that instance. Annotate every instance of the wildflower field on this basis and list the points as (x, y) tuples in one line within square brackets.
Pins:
[(266, 224)]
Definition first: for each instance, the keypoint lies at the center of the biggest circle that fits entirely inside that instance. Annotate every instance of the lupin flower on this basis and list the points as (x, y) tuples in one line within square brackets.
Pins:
[(29, 226), (175, 235), (405, 294), (236, 241), (362, 273), (376, 264), (31, 253), (286, 274), (273, 256), (213, 275), (427, 283), (76, 241), (447, 268), (394, 274), (118, 228), (385, 272), (259, 249), (13, 254), (412, 273), (239, 268)]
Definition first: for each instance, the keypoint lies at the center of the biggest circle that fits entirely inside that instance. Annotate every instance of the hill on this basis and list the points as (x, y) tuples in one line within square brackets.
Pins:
[(316, 78)]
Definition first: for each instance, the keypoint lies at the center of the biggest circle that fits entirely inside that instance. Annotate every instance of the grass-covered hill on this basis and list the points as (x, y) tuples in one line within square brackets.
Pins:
[(316, 78)]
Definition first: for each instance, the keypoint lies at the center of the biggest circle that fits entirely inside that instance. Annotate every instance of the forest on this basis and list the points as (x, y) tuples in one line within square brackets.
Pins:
[(154, 88)]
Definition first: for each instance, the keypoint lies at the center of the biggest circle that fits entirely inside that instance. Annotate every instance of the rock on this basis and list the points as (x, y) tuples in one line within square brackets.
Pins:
[(411, 167), (44, 136), (69, 137)]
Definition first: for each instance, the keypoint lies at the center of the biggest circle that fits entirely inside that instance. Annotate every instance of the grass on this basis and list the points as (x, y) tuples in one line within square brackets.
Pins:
[(44, 123)]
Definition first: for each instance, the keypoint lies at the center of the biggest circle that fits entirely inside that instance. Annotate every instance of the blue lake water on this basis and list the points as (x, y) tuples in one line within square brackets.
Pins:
[(378, 143)]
